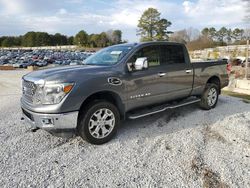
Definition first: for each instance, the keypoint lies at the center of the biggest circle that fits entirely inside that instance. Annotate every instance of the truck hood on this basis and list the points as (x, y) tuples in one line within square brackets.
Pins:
[(66, 73)]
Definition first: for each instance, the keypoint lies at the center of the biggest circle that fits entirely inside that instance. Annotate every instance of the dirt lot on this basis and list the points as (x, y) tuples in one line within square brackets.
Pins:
[(186, 147)]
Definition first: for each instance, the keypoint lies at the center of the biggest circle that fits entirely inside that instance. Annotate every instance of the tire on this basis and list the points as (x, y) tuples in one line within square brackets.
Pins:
[(209, 97), (98, 122)]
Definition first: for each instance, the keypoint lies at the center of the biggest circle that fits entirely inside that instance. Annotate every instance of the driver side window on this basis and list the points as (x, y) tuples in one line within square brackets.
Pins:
[(152, 53)]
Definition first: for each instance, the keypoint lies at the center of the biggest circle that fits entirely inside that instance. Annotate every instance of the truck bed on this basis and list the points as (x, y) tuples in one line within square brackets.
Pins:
[(205, 69)]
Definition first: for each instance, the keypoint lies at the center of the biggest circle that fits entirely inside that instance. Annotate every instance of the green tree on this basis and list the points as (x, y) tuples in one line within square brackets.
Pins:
[(70, 40), (205, 32), (81, 38), (92, 40), (152, 27), (161, 31), (116, 37), (238, 34), (59, 39), (229, 36), (210, 33), (2, 39), (42, 39), (221, 34), (29, 39), (18, 40), (102, 40), (8, 42)]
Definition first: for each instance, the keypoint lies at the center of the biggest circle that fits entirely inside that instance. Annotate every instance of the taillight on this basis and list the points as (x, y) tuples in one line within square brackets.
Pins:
[(229, 68)]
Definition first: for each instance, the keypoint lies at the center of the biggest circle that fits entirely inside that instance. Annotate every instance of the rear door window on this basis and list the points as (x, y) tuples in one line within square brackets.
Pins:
[(172, 54)]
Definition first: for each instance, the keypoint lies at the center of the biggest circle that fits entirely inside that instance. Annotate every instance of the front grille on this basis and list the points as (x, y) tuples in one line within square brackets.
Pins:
[(29, 89)]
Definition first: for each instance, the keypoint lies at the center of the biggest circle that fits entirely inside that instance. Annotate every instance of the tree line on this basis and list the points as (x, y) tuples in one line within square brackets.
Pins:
[(210, 37), (82, 38), (152, 27)]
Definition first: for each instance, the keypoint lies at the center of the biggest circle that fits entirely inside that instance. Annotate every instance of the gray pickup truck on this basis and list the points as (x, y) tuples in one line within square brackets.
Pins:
[(119, 82)]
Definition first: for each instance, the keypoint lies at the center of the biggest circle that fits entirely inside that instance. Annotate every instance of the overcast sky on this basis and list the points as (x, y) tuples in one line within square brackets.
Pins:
[(70, 16)]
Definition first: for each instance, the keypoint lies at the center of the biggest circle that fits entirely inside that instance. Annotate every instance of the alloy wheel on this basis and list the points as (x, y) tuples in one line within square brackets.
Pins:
[(101, 123)]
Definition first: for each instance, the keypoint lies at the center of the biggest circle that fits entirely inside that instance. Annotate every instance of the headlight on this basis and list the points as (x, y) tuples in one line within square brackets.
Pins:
[(51, 93)]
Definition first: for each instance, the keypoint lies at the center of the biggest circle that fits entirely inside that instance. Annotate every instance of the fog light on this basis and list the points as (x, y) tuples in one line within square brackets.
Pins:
[(48, 121)]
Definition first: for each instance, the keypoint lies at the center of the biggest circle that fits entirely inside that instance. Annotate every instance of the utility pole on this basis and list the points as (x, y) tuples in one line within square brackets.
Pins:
[(247, 55)]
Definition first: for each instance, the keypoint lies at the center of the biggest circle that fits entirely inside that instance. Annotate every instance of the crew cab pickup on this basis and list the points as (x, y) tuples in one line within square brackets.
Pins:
[(119, 82)]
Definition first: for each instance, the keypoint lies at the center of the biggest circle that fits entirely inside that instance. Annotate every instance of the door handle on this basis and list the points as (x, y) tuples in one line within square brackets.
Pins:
[(161, 74), (188, 71)]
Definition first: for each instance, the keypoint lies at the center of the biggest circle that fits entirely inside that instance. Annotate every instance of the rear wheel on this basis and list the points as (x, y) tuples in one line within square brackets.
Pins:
[(210, 96), (98, 122)]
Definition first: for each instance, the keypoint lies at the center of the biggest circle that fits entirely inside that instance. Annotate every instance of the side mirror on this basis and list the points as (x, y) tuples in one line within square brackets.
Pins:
[(141, 63)]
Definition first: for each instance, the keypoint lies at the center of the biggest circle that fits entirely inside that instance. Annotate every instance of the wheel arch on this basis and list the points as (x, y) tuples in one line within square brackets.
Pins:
[(109, 96), (215, 80)]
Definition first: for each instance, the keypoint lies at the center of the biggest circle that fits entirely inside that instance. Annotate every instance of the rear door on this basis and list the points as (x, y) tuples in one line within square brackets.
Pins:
[(179, 72)]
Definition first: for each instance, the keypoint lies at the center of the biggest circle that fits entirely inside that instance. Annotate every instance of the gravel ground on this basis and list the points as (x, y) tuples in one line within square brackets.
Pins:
[(186, 147)]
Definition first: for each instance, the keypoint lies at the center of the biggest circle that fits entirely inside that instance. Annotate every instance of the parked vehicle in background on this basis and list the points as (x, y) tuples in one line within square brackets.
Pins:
[(122, 81), (74, 63), (17, 65), (244, 63), (28, 63), (41, 58), (236, 62), (41, 63)]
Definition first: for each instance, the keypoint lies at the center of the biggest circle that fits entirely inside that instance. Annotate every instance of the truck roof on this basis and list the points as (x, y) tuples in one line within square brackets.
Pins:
[(148, 43)]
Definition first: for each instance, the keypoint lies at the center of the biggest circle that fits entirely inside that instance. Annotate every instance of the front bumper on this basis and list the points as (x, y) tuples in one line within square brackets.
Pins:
[(51, 121)]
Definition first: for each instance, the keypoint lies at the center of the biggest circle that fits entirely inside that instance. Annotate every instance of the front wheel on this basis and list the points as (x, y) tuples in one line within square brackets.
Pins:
[(210, 97), (98, 122)]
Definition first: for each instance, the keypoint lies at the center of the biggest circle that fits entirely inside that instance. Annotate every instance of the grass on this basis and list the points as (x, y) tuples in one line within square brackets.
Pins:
[(246, 98)]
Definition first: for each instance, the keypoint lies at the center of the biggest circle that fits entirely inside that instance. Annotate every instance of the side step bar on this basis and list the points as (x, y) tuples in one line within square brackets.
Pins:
[(163, 108)]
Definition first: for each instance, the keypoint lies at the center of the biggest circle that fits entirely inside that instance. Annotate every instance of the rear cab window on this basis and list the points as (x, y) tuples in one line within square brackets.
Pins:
[(172, 54)]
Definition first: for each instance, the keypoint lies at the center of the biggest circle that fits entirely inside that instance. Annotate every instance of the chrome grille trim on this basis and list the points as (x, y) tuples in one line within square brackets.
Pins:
[(29, 89)]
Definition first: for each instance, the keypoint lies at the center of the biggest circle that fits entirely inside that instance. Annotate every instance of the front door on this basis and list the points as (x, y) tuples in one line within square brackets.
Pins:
[(148, 86)]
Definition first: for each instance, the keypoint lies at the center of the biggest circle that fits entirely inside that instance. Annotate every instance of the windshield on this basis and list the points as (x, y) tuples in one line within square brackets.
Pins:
[(108, 56)]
